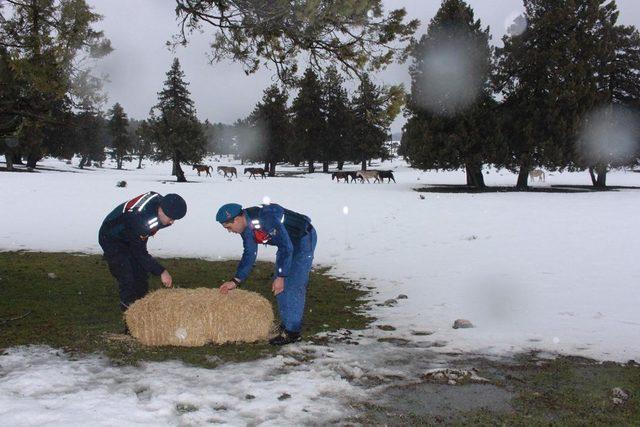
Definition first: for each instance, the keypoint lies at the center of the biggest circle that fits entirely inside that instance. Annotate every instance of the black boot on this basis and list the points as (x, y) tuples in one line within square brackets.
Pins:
[(285, 337)]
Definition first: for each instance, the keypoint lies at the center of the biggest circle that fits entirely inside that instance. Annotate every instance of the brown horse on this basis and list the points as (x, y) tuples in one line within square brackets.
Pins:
[(388, 175), (338, 175), (255, 171), (203, 168), (230, 170)]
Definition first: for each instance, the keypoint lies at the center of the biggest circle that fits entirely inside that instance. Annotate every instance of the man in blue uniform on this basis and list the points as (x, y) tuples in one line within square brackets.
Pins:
[(123, 237), (296, 240)]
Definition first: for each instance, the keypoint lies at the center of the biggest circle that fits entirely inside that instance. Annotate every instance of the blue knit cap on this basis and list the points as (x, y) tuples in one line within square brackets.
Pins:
[(173, 206), (228, 212)]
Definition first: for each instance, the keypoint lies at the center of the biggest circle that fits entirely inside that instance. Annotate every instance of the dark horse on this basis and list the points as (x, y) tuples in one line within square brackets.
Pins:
[(386, 174), (228, 170), (338, 175), (255, 171), (203, 168)]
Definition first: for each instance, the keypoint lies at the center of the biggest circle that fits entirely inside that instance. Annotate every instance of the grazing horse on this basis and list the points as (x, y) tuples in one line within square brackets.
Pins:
[(386, 174), (365, 175), (203, 168), (537, 173), (255, 171), (228, 170)]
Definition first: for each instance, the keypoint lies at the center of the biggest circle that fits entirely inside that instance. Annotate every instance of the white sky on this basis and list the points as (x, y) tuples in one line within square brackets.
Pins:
[(222, 92)]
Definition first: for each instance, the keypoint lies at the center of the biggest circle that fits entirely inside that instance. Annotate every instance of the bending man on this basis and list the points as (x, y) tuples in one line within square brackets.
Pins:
[(296, 240), (123, 237)]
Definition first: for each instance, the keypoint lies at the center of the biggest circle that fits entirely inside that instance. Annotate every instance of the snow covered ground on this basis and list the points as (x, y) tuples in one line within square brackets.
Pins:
[(556, 272)]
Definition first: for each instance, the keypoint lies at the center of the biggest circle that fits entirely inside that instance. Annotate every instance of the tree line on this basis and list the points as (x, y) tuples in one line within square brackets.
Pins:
[(322, 124), (50, 101), (561, 93)]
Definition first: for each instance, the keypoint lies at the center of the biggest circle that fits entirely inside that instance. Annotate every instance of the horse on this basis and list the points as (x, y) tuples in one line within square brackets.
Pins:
[(365, 175), (386, 174), (537, 173), (203, 168), (255, 171), (228, 170), (338, 175)]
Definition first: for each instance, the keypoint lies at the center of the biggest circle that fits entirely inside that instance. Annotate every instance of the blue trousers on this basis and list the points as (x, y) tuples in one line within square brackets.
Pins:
[(131, 276), (291, 301)]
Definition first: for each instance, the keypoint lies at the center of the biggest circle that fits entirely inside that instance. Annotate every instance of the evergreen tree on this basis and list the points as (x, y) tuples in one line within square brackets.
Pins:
[(46, 41), (374, 108), (616, 70), (271, 118), (309, 123), (119, 133), (90, 138), (451, 124), (339, 120), (355, 34), (176, 132), (548, 81), (141, 137)]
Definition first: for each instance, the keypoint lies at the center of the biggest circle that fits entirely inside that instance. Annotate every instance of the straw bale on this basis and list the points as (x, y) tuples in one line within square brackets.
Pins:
[(195, 317)]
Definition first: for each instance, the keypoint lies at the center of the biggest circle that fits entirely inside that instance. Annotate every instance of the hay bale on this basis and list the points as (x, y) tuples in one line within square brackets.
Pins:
[(195, 317)]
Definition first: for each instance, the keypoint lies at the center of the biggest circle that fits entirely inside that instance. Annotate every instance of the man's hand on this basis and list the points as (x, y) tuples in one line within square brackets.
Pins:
[(227, 286), (278, 285), (166, 278)]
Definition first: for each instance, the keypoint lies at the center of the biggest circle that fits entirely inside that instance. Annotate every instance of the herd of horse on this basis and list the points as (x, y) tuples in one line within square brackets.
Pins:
[(375, 175), (230, 171)]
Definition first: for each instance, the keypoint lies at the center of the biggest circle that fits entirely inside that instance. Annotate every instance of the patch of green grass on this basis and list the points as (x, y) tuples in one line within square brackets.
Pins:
[(563, 391), (78, 310)]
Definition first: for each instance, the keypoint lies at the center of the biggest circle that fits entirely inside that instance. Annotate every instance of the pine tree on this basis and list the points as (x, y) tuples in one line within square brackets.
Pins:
[(451, 111), (271, 117), (119, 133), (339, 119), (90, 137), (356, 34), (374, 108), (616, 70), (176, 132), (309, 122), (46, 41), (548, 82), (140, 139)]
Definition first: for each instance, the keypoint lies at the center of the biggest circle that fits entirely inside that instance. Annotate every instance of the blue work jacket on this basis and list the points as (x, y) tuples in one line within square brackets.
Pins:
[(275, 226)]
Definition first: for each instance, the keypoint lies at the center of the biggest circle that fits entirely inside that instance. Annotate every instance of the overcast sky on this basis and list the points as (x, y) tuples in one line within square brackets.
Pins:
[(139, 29)]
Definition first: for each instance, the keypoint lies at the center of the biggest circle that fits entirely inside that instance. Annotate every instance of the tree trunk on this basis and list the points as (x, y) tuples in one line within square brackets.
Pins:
[(601, 182), (594, 180), (272, 168), (32, 160), (140, 161), (340, 164), (523, 177), (474, 176), (179, 173), (119, 162), (9, 160), (364, 165), (311, 169), (83, 161), (325, 167), (17, 158)]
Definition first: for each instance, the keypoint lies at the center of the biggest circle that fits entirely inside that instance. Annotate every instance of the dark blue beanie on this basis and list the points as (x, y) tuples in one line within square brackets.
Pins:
[(174, 206), (228, 212)]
